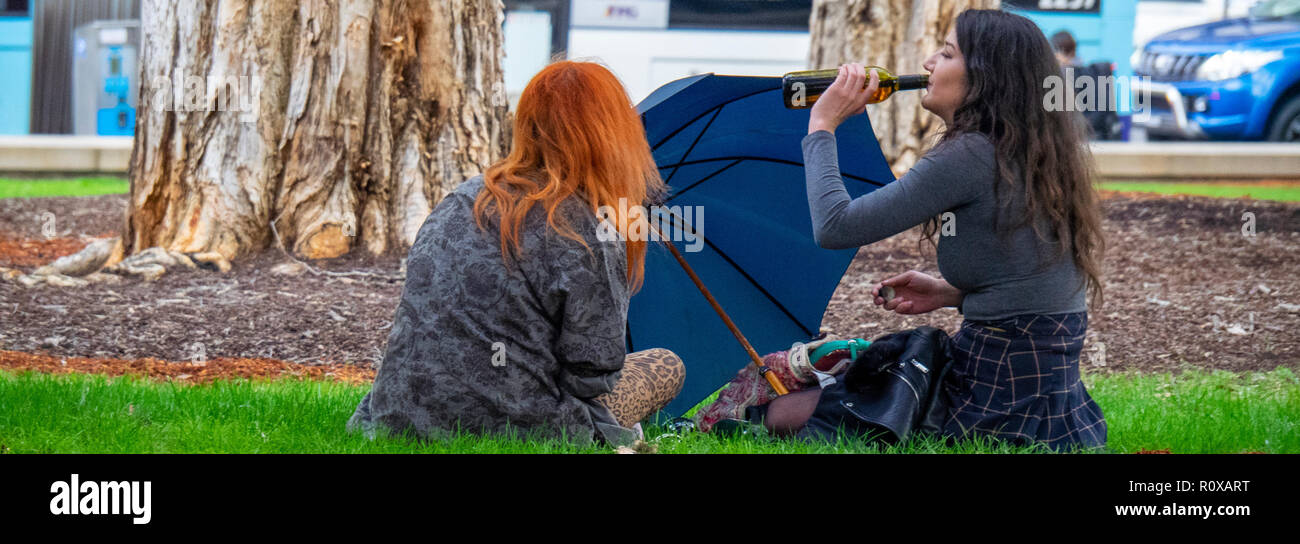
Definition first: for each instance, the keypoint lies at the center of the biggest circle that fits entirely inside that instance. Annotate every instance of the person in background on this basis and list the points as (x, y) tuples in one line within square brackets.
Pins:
[(1100, 116), (1064, 45), (513, 317)]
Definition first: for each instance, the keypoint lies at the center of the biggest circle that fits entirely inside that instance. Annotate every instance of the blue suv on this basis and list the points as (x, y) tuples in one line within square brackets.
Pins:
[(1236, 79)]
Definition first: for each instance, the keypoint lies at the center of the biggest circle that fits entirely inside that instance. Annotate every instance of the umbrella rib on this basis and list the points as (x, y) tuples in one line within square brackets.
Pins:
[(768, 159), (692, 147), (682, 225), (705, 112), (704, 179), (760, 288)]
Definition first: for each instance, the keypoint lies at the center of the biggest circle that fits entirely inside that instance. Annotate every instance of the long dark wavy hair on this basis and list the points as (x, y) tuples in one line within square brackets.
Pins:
[(1042, 155)]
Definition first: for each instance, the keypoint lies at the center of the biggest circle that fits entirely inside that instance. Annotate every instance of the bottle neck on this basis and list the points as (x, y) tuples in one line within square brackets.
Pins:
[(912, 82)]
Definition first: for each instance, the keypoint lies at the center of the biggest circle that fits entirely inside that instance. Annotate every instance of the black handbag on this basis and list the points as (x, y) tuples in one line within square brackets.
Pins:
[(891, 390)]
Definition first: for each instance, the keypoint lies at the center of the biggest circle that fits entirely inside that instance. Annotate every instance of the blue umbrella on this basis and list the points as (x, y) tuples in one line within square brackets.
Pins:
[(737, 210)]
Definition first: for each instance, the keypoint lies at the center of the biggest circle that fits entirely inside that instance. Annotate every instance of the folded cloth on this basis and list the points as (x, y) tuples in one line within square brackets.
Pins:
[(796, 368), (747, 389)]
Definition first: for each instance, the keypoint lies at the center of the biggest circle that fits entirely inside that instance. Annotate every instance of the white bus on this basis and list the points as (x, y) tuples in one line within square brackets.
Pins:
[(647, 43)]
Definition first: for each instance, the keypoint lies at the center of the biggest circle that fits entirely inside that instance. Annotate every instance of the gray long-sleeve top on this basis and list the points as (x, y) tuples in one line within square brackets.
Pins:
[(1000, 278)]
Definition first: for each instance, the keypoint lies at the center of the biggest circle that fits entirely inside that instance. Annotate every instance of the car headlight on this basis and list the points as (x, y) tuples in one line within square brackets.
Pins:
[(1230, 64), (1135, 59)]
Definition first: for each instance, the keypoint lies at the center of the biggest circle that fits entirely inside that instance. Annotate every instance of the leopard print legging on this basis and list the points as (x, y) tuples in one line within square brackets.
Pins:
[(650, 380)]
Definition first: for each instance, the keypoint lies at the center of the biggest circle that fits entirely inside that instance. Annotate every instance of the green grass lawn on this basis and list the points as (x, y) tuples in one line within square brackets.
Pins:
[(1280, 193), (27, 188), (1193, 412)]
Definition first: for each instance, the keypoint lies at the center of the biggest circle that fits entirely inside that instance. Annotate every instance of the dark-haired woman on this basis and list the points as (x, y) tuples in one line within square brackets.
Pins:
[(1025, 241)]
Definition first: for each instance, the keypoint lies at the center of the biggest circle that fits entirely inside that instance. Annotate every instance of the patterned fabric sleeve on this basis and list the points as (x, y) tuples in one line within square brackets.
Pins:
[(590, 291)]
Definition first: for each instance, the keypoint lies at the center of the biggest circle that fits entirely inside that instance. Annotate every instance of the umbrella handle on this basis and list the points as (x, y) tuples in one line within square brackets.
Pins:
[(763, 369)]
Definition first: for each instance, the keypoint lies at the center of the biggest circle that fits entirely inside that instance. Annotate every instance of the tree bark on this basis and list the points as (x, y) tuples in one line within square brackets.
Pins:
[(332, 123), (898, 35)]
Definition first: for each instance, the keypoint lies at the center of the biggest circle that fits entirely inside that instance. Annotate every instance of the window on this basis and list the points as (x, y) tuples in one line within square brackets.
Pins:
[(740, 14), (1069, 6), (14, 8)]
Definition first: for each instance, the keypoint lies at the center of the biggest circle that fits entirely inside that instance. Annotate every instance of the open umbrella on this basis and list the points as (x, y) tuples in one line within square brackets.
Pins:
[(737, 210)]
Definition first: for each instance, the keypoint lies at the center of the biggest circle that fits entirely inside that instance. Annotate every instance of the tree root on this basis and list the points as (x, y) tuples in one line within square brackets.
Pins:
[(102, 262), (296, 266)]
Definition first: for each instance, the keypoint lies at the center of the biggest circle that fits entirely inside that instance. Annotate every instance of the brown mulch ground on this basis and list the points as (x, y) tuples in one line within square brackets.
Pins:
[(31, 253), (248, 312), (185, 371), (1179, 277), (74, 221), (74, 216)]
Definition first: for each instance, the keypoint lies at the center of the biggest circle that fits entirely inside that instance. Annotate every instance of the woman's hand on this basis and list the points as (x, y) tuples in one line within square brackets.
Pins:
[(845, 98), (917, 293)]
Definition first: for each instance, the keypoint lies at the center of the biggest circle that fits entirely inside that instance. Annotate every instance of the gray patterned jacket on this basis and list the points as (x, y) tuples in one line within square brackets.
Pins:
[(480, 346)]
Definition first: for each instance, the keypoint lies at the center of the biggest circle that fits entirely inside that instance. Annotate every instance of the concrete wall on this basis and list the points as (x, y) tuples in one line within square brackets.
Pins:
[(64, 154)]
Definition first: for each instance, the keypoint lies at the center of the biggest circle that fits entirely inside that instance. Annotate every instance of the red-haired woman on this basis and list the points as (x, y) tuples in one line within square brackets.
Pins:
[(513, 317)]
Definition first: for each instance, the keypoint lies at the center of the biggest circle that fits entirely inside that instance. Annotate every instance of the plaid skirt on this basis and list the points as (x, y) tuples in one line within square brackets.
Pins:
[(1017, 380)]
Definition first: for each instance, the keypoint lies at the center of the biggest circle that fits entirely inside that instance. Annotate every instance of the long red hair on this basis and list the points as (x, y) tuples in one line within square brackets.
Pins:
[(576, 134)]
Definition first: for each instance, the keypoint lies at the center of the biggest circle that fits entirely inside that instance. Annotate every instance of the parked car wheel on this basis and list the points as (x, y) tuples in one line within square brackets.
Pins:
[(1285, 126)]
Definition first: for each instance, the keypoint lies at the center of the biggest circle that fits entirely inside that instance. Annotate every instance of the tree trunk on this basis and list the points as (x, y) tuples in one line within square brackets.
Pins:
[(898, 35), (333, 122)]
